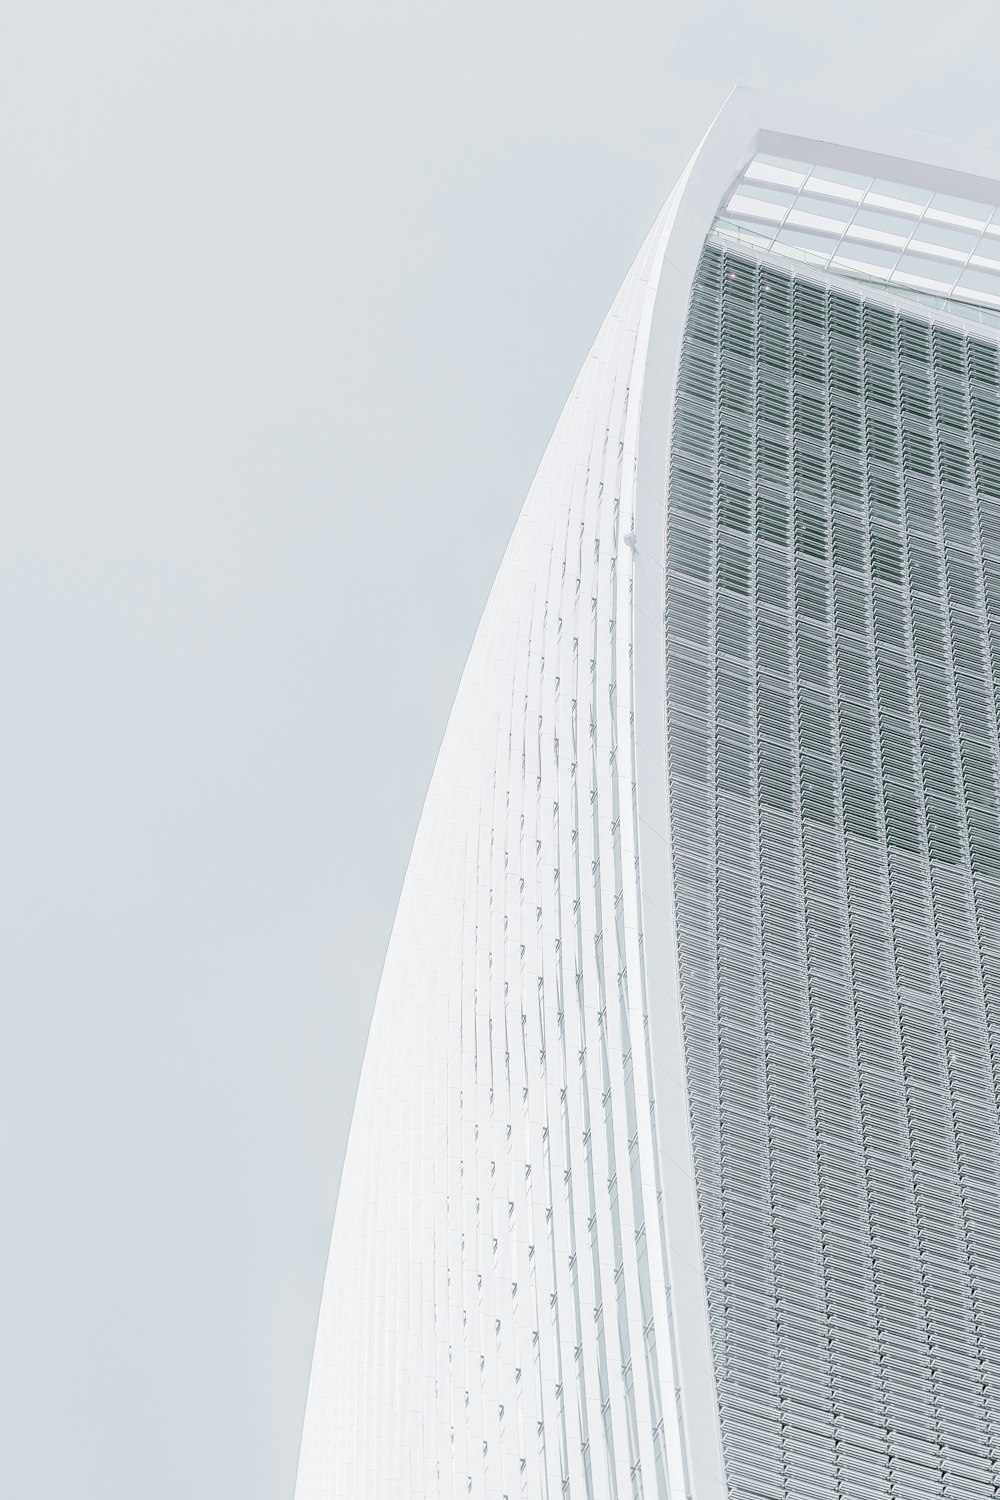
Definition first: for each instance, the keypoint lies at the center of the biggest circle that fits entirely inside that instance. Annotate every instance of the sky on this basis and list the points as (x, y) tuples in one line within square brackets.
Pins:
[(292, 295)]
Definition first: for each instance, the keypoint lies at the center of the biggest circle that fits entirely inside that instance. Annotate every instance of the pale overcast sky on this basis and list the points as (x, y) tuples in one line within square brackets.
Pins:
[(292, 297)]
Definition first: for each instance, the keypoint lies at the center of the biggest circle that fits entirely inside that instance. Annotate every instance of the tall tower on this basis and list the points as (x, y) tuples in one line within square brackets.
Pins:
[(675, 1167)]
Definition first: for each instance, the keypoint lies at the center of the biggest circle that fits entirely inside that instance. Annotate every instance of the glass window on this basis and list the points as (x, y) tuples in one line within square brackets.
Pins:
[(873, 257), (899, 192), (822, 245), (741, 207), (766, 193), (830, 208), (812, 219), (932, 272), (858, 236), (887, 223), (964, 207), (945, 235), (974, 280), (823, 183), (843, 179), (755, 172)]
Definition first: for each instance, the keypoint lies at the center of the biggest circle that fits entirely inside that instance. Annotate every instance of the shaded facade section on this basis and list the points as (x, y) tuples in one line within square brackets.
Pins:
[(833, 650)]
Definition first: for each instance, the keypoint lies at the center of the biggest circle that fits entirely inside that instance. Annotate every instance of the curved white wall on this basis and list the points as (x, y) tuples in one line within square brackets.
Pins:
[(497, 1257)]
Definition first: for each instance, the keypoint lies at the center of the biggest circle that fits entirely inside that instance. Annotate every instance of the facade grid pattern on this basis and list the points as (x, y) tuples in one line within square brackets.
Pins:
[(928, 245), (833, 662)]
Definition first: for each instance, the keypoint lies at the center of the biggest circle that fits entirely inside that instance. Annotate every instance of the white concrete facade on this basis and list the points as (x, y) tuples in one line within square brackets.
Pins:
[(515, 1301)]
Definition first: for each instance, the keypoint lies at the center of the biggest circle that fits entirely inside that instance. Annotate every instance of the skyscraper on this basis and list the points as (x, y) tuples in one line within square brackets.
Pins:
[(675, 1168)]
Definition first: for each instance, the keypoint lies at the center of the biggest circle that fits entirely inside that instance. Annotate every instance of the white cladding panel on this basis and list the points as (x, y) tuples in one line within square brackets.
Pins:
[(495, 1320)]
